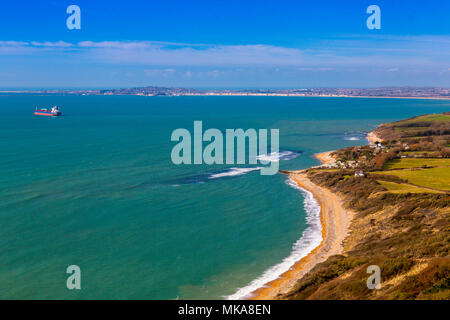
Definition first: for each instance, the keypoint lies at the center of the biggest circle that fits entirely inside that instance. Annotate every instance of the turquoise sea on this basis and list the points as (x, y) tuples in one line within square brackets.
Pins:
[(96, 188)]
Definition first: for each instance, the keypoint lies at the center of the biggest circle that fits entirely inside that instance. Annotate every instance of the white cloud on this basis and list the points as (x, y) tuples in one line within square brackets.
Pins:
[(314, 69), (348, 53), (214, 73), (213, 55), (445, 71), (324, 56), (159, 72), (115, 44), (60, 44), (13, 43)]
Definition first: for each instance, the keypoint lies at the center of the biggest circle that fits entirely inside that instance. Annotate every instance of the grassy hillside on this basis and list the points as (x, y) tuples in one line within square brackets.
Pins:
[(402, 216), (406, 163), (434, 178), (395, 187), (417, 127)]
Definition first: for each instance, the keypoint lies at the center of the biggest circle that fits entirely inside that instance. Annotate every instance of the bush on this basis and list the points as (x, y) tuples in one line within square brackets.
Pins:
[(396, 266)]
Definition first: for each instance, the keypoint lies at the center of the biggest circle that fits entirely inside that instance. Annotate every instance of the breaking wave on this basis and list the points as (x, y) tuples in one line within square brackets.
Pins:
[(231, 172), (309, 240), (352, 138), (277, 156)]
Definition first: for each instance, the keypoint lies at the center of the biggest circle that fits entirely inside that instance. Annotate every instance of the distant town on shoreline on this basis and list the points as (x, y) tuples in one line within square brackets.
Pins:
[(393, 92)]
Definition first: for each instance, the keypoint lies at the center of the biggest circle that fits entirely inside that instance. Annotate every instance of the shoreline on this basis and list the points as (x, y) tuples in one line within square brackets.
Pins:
[(325, 157), (302, 96), (238, 94), (335, 221)]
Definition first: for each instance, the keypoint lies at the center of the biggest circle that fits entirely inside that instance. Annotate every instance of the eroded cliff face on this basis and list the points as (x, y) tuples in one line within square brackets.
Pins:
[(406, 235), (400, 192)]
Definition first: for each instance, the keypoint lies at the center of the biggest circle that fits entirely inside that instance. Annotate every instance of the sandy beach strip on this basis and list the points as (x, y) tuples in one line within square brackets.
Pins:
[(325, 157), (335, 223)]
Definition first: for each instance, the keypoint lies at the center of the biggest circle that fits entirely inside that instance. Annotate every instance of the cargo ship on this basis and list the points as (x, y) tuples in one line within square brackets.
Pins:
[(54, 112)]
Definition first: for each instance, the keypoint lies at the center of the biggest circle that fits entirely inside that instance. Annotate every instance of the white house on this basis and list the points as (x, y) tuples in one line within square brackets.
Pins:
[(359, 174)]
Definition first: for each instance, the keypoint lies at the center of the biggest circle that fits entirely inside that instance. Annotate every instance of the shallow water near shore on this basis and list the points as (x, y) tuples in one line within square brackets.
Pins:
[(96, 188)]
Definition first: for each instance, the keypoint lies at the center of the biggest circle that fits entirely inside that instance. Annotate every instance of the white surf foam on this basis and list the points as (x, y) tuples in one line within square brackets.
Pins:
[(352, 138), (233, 172), (309, 240), (277, 156)]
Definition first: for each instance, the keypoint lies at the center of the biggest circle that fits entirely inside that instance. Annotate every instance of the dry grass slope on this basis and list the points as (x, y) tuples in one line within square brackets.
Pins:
[(403, 228)]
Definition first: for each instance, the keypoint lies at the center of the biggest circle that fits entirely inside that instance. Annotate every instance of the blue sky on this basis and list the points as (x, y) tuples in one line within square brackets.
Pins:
[(224, 44)]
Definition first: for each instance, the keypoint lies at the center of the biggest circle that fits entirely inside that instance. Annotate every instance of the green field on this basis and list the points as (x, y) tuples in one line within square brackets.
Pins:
[(393, 187), (425, 118), (417, 163), (438, 178)]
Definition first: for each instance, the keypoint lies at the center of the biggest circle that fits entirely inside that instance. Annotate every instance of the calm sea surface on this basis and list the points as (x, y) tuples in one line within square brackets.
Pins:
[(96, 188)]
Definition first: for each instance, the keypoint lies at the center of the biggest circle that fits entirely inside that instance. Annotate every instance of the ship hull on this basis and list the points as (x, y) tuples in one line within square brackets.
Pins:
[(49, 114)]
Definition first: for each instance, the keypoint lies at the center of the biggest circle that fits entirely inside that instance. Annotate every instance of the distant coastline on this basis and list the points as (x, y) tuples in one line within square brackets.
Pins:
[(382, 92)]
